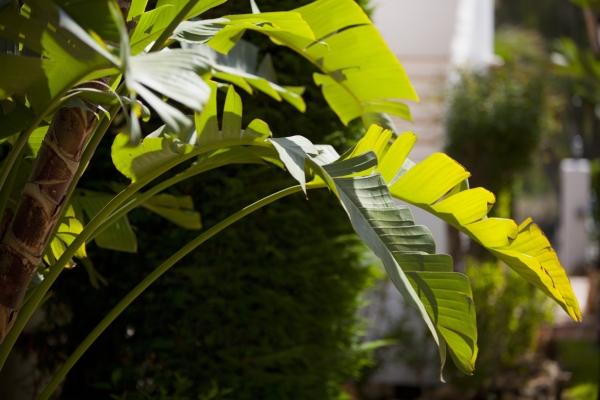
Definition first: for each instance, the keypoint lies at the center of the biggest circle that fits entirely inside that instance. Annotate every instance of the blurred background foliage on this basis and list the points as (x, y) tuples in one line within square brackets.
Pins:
[(552, 19), (510, 316), (570, 31), (265, 310), (496, 119), (563, 26)]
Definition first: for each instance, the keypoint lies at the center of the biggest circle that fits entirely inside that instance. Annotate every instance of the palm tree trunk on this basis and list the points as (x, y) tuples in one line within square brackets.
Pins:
[(41, 203)]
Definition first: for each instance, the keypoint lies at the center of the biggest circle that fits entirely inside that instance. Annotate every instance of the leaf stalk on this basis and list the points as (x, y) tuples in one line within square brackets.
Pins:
[(154, 275), (29, 308)]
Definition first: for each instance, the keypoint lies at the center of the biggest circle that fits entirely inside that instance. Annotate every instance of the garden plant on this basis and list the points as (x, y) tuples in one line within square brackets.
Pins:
[(69, 69)]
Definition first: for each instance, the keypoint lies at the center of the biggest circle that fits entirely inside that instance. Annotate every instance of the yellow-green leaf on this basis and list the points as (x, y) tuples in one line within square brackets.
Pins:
[(429, 180), (396, 155), (361, 75), (437, 185)]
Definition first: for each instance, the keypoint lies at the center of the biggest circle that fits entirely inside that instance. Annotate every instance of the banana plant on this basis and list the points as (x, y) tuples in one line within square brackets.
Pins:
[(69, 69)]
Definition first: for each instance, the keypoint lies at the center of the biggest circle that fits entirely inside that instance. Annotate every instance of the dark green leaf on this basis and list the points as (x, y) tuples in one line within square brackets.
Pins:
[(179, 210), (118, 236), (14, 117)]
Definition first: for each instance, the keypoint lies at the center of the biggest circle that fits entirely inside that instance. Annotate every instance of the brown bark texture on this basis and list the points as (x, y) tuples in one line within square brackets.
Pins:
[(41, 203)]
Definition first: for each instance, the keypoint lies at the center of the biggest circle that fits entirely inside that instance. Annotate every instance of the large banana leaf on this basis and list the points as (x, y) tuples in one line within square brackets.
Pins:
[(437, 185), (224, 32), (162, 147), (425, 279), (361, 77), (240, 67)]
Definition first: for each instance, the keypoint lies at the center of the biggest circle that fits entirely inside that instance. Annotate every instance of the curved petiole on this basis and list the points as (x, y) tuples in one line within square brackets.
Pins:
[(28, 309), (154, 275)]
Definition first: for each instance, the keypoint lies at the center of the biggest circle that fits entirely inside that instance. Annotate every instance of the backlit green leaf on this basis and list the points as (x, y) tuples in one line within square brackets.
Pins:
[(239, 67), (162, 148), (177, 209), (232, 116), (137, 9), (437, 185), (362, 76), (118, 236), (136, 162)]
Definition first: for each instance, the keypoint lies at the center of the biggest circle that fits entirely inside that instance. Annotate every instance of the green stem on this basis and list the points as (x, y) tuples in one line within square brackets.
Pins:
[(28, 309), (181, 15), (154, 275), (28, 295)]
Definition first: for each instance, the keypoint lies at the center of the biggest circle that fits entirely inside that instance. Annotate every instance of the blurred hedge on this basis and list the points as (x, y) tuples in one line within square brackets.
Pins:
[(265, 310)]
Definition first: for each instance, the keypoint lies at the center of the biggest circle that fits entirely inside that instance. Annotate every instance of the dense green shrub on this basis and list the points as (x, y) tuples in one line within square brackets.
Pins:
[(265, 310)]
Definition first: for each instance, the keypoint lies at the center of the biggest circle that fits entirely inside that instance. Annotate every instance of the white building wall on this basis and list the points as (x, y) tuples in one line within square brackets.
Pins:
[(574, 212), (473, 41)]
